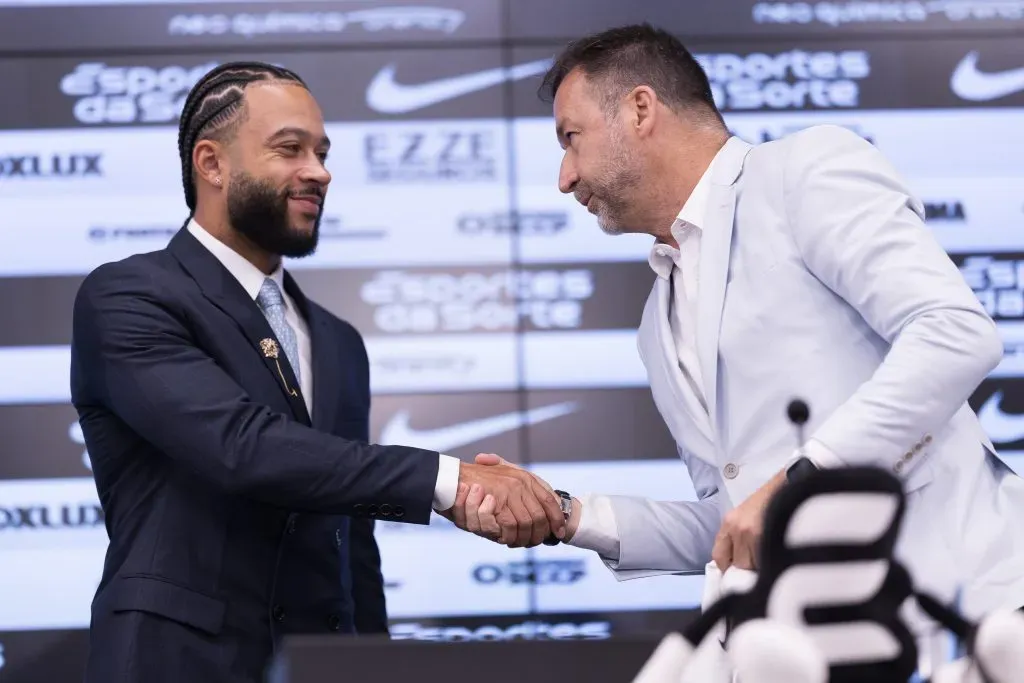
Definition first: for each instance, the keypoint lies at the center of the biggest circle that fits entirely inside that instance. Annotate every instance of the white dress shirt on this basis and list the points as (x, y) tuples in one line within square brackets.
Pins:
[(251, 278), (597, 529)]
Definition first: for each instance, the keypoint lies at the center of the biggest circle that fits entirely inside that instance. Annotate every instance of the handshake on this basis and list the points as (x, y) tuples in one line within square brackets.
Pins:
[(506, 504)]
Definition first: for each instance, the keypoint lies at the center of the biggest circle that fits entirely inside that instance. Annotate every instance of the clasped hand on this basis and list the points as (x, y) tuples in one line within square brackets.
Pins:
[(739, 539), (505, 504)]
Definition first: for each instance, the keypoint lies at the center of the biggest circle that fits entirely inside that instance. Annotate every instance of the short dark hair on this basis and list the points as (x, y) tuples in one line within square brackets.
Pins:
[(215, 107), (623, 58)]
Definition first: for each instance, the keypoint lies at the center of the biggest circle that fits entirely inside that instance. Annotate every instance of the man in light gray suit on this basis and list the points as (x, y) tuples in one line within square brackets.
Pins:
[(800, 267)]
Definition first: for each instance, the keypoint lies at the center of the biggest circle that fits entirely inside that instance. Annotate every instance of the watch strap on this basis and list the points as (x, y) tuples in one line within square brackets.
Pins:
[(565, 502), (800, 469)]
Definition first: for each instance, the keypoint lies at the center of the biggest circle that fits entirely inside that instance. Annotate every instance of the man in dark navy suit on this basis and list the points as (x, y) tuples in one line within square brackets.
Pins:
[(227, 417)]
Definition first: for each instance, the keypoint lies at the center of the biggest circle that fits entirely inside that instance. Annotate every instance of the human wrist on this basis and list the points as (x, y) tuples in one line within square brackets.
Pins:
[(574, 520)]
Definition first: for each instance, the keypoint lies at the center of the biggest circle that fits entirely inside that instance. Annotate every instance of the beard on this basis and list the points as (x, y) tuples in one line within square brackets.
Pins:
[(615, 193), (259, 211)]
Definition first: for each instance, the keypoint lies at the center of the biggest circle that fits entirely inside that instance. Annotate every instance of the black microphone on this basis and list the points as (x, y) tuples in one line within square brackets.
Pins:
[(798, 413)]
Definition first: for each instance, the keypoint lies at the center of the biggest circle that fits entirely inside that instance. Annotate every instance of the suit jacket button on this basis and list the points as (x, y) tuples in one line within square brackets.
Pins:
[(730, 471), (372, 510), (385, 509), (399, 511), (358, 508), (277, 613), (334, 622)]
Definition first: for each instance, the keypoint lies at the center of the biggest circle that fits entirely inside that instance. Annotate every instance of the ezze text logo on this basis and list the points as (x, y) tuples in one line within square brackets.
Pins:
[(57, 165), (790, 80), (51, 516), (538, 572), (475, 301), (998, 282), (435, 156), (135, 94)]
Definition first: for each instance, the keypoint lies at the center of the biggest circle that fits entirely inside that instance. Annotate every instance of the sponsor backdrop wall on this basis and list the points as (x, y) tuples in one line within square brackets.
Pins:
[(497, 316)]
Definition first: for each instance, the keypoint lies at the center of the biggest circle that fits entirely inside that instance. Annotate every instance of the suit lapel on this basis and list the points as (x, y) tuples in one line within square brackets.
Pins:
[(326, 370), (715, 248), (227, 294), (325, 357), (666, 352)]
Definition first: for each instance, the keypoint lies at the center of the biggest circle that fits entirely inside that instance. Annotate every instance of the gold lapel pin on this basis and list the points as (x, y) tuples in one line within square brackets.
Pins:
[(270, 350), (269, 347)]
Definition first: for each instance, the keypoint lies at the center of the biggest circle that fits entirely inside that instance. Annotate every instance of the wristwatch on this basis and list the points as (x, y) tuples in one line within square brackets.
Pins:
[(565, 502), (800, 469)]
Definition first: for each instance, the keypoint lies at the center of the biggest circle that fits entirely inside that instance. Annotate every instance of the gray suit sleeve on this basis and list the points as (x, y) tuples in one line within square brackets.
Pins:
[(663, 537), (667, 537), (861, 233)]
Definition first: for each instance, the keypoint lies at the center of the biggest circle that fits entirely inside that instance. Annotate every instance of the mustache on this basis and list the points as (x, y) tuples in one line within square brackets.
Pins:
[(582, 193), (310, 191)]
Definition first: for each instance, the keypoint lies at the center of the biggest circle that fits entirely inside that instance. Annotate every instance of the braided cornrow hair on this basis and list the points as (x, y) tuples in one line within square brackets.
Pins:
[(212, 109)]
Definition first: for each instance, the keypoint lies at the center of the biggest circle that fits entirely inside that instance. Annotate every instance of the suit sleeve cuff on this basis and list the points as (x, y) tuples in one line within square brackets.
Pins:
[(447, 485), (597, 529), (821, 455)]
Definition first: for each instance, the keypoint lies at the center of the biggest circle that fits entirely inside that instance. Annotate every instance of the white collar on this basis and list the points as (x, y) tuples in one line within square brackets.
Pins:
[(692, 216)]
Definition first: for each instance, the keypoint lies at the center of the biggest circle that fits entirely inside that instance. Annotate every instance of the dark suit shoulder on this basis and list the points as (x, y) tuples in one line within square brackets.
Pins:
[(341, 327), (152, 271), (140, 293), (349, 332)]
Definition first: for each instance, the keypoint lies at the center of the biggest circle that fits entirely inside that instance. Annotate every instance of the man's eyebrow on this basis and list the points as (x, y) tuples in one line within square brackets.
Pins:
[(299, 132)]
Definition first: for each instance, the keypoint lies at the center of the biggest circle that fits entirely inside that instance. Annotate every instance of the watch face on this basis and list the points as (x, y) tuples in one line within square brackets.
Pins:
[(565, 500)]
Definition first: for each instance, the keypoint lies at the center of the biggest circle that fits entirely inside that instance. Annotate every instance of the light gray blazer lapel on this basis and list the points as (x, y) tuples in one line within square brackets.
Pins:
[(675, 400), (716, 242)]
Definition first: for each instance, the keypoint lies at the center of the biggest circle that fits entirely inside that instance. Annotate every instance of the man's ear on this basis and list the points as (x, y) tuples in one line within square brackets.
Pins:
[(642, 109), (210, 163)]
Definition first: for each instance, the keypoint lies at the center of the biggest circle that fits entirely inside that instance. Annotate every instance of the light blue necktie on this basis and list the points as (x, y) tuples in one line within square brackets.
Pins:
[(272, 302)]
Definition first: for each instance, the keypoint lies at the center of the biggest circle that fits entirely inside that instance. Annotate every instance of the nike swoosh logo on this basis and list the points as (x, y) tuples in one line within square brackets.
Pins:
[(970, 84), (398, 432), (387, 96), (1001, 427)]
